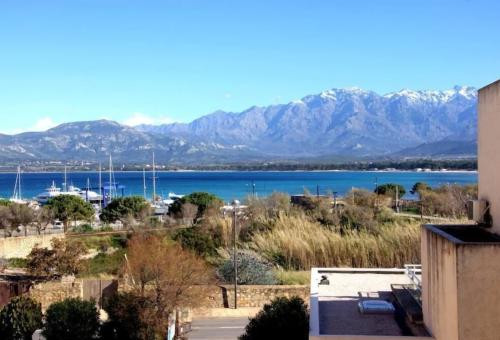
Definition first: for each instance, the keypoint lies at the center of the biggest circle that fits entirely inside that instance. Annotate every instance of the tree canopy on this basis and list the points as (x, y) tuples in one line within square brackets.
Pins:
[(419, 187), (203, 200), (390, 189), (122, 208), (70, 208)]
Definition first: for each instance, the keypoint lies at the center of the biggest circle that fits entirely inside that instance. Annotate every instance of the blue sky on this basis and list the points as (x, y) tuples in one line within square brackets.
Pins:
[(161, 61)]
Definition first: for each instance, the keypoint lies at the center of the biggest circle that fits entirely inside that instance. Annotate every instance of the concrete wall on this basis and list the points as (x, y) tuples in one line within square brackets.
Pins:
[(21, 246), (489, 149), (460, 281), (439, 286), (478, 288)]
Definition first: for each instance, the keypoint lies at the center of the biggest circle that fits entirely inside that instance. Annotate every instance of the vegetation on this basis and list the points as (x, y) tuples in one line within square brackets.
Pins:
[(71, 319), (14, 215), (252, 269), (67, 208), (63, 259), (293, 277), (295, 242), (128, 210), (20, 318), (447, 200), (390, 189), (283, 318), (103, 263), (196, 240), (126, 319), (164, 275), (204, 201)]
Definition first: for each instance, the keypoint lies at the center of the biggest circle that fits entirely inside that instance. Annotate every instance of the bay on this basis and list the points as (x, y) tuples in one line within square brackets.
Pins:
[(230, 185)]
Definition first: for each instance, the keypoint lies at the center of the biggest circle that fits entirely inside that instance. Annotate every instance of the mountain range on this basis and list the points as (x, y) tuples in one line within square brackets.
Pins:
[(348, 123)]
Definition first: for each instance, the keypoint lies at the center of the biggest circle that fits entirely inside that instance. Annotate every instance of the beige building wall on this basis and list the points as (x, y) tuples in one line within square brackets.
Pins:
[(489, 149), (439, 286), (20, 246)]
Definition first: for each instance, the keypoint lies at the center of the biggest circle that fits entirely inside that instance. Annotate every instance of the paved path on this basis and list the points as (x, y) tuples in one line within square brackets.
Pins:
[(220, 328)]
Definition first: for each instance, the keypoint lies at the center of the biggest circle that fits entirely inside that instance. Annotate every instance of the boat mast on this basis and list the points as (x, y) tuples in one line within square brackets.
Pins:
[(17, 185), (154, 178), (110, 178), (144, 182), (100, 184), (65, 179)]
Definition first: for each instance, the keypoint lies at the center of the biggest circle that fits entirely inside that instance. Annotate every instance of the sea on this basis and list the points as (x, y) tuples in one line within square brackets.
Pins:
[(229, 185)]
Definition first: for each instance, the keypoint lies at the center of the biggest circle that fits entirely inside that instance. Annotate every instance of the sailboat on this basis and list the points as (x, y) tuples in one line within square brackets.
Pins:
[(17, 194)]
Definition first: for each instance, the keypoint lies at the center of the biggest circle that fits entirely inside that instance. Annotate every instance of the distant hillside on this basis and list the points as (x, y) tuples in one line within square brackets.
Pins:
[(350, 122), (343, 124)]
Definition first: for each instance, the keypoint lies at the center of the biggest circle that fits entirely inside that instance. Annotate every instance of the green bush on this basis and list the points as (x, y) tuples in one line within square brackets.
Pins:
[(104, 264), (252, 269), (20, 318), (283, 318), (193, 238), (82, 229), (125, 313), (71, 319), (17, 262), (202, 200)]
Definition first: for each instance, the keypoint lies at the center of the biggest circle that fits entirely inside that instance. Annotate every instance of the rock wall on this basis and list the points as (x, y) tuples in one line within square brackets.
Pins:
[(21, 246), (250, 295), (47, 293)]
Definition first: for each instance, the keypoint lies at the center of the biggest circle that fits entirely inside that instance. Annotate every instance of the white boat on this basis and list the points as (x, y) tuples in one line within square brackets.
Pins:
[(53, 191), (16, 194)]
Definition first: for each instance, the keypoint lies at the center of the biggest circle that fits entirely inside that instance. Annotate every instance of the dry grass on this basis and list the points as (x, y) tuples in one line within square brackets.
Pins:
[(293, 277), (295, 242)]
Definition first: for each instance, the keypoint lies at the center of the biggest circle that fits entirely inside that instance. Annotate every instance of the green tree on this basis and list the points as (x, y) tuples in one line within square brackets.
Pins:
[(390, 189), (126, 319), (124, 208), (283, 318), (194, 239), (20, 318), (419, 187), (71, 319), (70, 208), (203, 200)]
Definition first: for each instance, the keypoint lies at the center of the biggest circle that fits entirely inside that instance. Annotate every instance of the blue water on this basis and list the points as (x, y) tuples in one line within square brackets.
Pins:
[(231, 185)]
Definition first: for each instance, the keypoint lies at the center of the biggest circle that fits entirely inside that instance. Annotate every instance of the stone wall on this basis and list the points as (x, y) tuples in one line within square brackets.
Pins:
[(21, 246), (251, 296), (47, 293)]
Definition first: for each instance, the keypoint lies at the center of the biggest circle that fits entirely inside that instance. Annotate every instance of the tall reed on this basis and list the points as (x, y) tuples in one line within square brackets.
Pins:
[(296, 242)]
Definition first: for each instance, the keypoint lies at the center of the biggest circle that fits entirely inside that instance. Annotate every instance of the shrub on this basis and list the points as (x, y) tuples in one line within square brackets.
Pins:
[(71, 319), (192, 238), (283, 318), (390, 189), (125, 318), (203, 200), (20, 318), (252, 269), (356, 218), (82, 229), (104, 263), (63, 259)]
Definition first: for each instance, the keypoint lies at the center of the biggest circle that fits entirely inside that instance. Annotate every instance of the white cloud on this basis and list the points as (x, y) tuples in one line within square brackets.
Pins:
[(139, 118), (41, 124)]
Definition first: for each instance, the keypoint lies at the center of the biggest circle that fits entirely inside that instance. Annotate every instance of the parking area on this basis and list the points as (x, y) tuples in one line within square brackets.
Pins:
[(220, 328)]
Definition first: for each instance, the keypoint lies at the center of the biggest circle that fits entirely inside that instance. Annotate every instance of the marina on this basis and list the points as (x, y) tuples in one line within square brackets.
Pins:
[(228, 185)]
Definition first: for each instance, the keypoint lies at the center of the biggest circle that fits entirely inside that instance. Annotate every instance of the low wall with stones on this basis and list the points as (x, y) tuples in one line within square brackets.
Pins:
[(21, 246), (251, 295), (46, 293)]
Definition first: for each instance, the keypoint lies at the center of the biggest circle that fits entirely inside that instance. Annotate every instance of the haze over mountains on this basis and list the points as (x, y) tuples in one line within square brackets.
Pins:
[(351, 123)]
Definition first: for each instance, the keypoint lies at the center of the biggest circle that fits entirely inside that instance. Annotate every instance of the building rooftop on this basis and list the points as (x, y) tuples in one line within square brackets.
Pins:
[(334, 306)]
